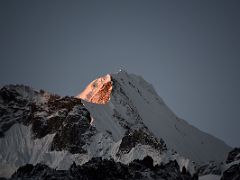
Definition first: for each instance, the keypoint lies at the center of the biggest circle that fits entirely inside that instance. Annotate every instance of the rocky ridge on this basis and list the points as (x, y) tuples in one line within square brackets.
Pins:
[(97, 168)]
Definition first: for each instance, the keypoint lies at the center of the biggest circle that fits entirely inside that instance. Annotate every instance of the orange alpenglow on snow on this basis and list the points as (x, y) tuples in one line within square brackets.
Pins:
[(98, 91)]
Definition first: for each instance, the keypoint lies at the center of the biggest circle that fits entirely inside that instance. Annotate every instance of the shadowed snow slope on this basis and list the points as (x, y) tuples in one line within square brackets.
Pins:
[(130, 102)]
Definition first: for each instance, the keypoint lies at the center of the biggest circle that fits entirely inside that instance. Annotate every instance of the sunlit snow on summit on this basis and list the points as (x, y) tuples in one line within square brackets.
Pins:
[(98, 91)]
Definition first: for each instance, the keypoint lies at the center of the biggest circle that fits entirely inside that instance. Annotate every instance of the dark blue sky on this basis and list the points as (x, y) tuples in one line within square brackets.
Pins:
[(188, 50)]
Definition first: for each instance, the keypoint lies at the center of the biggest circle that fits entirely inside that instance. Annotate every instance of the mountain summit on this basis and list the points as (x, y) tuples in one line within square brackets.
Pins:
[(98, 91), (129, 101), (118, 117)]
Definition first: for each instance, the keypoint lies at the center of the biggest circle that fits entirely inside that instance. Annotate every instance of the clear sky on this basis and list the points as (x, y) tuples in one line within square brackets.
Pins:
[(188, 50)]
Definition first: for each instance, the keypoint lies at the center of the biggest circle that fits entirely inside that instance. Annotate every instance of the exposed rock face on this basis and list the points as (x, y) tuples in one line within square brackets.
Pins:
[(47, 114), (232, 173), (131, 139), (233, 164), (210, 168), (74, 131), (233, 155), (226, 171), (15, 106), (106, 170), (48, 118)]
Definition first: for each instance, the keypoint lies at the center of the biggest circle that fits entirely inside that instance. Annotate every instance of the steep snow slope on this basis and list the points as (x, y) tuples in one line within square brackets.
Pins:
[(133, 103)]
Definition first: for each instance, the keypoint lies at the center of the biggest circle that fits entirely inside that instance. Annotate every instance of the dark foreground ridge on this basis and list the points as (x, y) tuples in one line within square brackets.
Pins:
[(103, 169), (99, 169)]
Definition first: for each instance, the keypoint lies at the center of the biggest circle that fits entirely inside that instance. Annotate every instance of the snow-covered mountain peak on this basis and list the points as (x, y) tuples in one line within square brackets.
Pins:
[(99, 90), (118, 116), (132, 103)]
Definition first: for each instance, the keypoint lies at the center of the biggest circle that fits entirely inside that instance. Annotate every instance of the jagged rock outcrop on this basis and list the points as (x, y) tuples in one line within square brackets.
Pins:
[(15, 106), (131, 139), (233, 155), (232, 173), (210, 168), (47, 114), (75, 129), (233, 164)]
